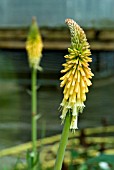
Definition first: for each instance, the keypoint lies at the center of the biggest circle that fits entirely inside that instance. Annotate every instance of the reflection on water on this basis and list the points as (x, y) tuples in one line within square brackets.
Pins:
[(15, 103)]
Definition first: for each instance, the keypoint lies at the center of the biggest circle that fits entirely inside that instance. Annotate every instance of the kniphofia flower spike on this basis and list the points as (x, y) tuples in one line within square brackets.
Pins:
[(34, 45), (77, 74)]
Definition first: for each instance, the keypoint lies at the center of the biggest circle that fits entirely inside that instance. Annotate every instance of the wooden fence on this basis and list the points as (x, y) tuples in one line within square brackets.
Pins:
[(91, 141), (56, 39)]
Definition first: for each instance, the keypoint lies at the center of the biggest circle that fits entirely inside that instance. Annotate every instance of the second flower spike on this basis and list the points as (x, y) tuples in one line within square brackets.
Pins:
[(34, 45), (77, 74)]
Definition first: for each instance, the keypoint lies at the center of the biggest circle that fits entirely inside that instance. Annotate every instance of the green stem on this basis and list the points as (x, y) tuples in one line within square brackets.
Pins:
[(34, 112), (63, 143)]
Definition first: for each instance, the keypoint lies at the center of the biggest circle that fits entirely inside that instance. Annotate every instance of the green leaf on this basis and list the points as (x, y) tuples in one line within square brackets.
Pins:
[(74, 154), (102, 158)]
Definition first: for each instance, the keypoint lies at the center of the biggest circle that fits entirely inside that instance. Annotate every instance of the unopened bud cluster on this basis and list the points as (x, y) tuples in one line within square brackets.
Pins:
[(34, 45), (77, 74)]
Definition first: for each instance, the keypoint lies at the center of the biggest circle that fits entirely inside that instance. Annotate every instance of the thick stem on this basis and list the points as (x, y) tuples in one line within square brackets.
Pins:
[(63, 143), (34, 112)]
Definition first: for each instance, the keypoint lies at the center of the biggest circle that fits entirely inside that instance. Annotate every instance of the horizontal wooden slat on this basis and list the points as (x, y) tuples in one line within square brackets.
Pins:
[(12, 44), (56, 45), (98, 45), (7, 34), (106, 35), (98, 130), (56, 39), (50, 34)]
